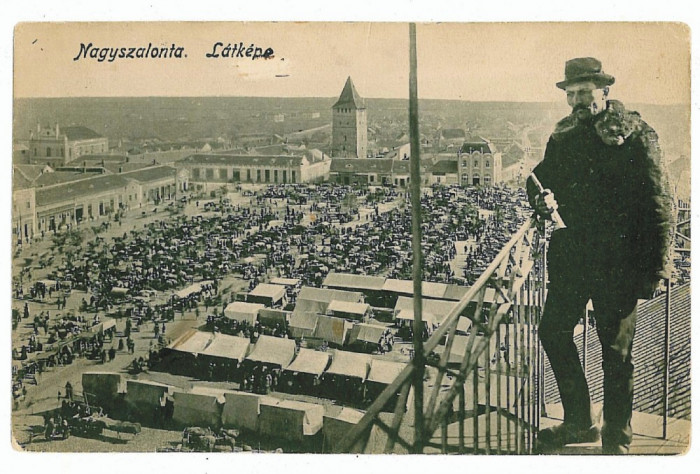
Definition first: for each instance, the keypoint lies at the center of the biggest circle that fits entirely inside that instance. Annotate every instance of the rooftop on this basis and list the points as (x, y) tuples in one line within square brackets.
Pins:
[(243, 160), (80, 133), (78, 189), (481, 145), (349, 97)]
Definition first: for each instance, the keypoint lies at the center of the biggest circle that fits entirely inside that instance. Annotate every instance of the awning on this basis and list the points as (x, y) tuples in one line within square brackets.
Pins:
[(348, 307), (384, 371), (227, 347), (193, 342), (273, 350), (407, 314), (265, 290), (242, 311), (309, 361), (366, 333), (350, 364), (333, 330)]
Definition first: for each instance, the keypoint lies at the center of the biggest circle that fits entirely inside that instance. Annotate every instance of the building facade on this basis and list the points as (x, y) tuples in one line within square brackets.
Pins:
[(349, 136), (39, 208), (56, 146), (219, 169), (479, 163)]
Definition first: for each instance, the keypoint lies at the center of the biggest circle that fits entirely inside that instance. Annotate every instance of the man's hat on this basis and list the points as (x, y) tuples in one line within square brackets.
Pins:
[(583, 70)]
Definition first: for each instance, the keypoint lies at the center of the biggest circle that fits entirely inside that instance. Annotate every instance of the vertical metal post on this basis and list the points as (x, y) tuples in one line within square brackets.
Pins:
[(461, 417), (516, 384), (667, 356), (509, 353), (475, 407), (499, 374), (487, 397), (585, 342), (419, 357)]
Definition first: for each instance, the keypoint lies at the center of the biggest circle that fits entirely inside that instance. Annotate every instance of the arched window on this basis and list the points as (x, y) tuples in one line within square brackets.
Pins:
[(487, 163), (475, 180), (487, 180), (48, 151), (476, 163)]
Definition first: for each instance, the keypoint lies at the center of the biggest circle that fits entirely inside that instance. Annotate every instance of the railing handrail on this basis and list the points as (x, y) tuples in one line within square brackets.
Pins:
[(375, 408)]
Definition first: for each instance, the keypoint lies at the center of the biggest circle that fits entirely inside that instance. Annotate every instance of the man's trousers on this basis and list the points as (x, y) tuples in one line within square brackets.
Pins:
[(615, 318)]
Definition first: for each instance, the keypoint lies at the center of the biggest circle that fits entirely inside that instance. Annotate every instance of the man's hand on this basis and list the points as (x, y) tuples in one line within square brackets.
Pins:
[(545, 204)]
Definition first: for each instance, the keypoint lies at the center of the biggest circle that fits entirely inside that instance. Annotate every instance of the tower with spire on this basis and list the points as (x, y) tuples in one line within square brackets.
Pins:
[(349, 137)]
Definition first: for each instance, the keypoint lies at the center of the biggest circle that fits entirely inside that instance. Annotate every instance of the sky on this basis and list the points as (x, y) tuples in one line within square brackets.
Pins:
[(464, 61)]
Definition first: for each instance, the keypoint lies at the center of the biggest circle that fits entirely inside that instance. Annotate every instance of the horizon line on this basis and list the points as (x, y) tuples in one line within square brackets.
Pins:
[(563, 103)]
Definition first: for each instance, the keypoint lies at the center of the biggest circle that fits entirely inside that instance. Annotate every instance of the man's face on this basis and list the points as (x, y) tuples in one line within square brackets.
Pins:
[(585, 96)]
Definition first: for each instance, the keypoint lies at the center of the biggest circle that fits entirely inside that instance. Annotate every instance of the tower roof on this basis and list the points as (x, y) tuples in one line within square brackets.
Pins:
[(349, 97)]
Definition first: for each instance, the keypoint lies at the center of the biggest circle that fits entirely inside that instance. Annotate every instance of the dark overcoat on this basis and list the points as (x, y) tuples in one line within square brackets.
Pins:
[(607, 175)]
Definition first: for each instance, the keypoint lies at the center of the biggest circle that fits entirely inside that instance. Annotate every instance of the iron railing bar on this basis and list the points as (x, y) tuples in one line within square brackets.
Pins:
[(465, 367), (442, 367), (461, 417), (475, 406), (375, 408), (487, 399), (516, 379), (499, 371), (399, 412)]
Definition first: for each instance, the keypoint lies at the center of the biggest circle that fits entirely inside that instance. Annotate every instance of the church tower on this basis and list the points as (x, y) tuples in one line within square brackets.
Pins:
[(349, 124)]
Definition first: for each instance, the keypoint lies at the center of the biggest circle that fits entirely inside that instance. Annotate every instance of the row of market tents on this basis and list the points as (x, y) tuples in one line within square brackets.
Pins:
[(263, 415), (223, 357)]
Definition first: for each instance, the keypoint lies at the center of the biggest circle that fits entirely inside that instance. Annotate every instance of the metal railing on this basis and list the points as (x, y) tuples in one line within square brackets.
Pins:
[(483, 391)]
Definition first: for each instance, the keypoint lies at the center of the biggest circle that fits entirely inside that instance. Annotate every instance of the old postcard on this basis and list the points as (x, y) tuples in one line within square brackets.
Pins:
[(453, 238)]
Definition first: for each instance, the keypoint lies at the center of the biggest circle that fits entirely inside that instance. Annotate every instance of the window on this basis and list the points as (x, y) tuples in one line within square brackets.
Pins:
[(259, 174), (29, 205), (294, 176), (48, 151), (247, 175), (210, 173), (487, 180), (267, 176), (476, 163), (487, 164)]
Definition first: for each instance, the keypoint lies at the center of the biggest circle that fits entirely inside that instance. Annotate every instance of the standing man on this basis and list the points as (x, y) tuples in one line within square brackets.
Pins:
[(604, 174)]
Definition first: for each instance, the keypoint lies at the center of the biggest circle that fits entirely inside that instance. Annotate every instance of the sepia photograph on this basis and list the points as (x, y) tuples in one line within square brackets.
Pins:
[(351, 238)]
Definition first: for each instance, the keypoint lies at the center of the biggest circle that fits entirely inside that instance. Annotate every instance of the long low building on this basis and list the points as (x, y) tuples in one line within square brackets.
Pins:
[(76, 199), (306, 167)]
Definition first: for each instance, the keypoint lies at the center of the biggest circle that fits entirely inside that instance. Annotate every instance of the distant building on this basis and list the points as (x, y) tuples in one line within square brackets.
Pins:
[(311, 166), (56, 146), (375, 172), (445, 172), (55, 200), (479, 163), (349, 138), (23, 208), (449, 138)]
